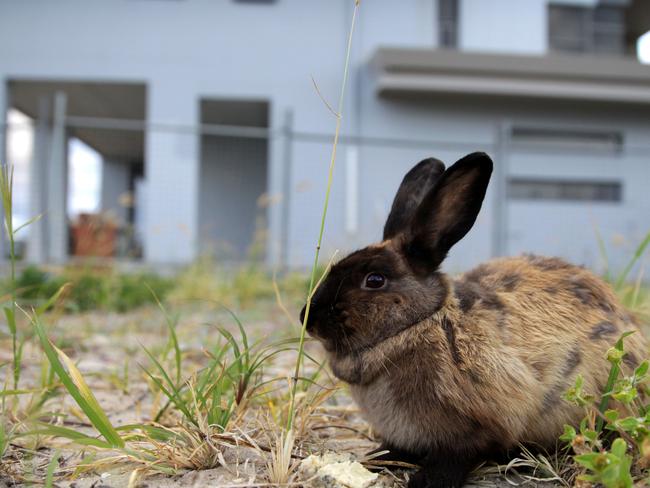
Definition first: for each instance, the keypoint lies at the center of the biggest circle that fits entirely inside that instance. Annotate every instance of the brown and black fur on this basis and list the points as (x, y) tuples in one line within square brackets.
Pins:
[(446, 370)]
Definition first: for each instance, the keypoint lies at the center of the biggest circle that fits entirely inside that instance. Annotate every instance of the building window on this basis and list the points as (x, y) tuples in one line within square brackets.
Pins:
[(448, 23), (568, 139), (596, 29), (565, 190)]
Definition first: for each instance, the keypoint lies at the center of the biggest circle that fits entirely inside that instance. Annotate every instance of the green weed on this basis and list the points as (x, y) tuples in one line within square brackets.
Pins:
[(90, 289), (634, 295), (606, 445)]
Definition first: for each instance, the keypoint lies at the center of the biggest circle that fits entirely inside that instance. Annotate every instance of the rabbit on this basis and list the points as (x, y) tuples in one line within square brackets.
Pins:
[(449, 371)]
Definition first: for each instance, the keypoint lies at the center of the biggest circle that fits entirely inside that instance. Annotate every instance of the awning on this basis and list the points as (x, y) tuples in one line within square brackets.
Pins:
[(414, 71)]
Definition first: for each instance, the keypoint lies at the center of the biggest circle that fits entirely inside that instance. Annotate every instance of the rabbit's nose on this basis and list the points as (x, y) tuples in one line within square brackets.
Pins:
[(302, 314), (310, 319)]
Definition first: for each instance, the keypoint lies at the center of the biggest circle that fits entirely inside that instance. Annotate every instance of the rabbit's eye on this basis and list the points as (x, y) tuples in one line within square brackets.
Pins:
[(374, 281)]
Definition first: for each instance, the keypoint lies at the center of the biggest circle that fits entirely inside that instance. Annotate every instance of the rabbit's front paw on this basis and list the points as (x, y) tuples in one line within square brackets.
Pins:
[(425, 478)]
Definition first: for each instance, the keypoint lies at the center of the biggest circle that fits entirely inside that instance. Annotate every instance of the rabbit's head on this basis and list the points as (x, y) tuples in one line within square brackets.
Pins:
[(379, 291)]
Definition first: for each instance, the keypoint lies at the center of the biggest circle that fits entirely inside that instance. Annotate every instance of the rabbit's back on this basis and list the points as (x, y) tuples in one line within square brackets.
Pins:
[(554, 314), (554, 320)]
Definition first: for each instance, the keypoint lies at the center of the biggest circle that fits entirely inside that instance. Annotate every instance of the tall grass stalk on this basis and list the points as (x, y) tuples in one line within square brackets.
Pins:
[(6, 196), (312, 279), (637, 255), (6, 192)]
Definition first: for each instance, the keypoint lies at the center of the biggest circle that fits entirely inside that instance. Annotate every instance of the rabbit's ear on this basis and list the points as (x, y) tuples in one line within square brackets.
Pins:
[(415, 185), (448, 211)]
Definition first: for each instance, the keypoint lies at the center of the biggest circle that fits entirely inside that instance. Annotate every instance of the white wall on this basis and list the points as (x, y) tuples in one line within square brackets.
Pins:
[(185, 51), (504, 26), (233, 177), (172, 173)]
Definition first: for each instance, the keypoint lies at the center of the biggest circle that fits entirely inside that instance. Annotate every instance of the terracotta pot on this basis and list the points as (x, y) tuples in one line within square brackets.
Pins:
[(93, 235)]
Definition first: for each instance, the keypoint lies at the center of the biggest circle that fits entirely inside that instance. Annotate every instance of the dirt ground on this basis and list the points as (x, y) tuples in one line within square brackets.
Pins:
[(107, 349)]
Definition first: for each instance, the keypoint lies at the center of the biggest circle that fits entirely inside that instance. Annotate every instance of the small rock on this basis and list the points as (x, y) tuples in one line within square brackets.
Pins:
[(332, 470)]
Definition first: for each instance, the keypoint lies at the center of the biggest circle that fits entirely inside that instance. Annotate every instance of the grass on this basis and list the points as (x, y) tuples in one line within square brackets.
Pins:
[(6, 193), (90, 288), (199, 397)]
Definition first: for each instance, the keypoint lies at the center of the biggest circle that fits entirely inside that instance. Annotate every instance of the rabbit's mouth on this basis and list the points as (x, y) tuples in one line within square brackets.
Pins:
[(334, 337)]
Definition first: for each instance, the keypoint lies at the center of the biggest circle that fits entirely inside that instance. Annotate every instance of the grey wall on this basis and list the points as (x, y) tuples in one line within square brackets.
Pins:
[(115, 183), (484, 27)]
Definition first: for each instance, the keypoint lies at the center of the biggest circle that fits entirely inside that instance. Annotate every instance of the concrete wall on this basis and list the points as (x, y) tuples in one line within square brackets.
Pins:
[(233, 177)]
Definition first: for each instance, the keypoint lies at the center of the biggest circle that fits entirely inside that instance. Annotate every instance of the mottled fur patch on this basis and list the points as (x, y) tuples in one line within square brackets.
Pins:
[(589, 293), (491, 300), (467, 295), (450, 333), (548, 263), (602, 330), (571, 362), (631, 360), (539, 368), (477, 274), (469, 292), (510, 281)]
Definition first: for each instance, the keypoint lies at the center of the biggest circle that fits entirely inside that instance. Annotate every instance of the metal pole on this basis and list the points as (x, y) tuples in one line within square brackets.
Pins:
[(37, 241), (500, 182), (4, 108), (285, 227), (57, 171)]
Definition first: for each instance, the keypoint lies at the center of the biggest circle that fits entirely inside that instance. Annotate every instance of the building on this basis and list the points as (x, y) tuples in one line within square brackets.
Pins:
[(201, 107)]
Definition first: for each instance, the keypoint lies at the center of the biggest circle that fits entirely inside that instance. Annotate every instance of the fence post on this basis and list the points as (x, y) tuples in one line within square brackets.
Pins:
[(285, 226), (57, 224), (37, 240), (500, 182), (4, 108)]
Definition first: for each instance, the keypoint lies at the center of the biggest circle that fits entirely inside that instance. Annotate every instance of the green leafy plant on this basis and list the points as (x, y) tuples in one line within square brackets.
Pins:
[(78, 389), (90, 289), (231, 377), (606, 443)]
